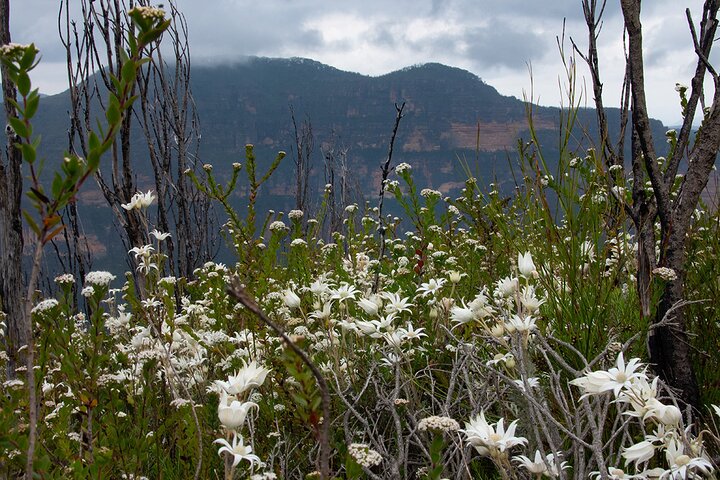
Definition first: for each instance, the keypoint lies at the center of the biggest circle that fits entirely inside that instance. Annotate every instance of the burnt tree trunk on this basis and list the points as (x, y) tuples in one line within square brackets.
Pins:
[(11, 235)]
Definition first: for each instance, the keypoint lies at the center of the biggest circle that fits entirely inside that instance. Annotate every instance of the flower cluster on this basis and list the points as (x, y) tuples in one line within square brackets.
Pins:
[(364, 455), (438, 424), (149, 13), (99, 278), (685, 456)]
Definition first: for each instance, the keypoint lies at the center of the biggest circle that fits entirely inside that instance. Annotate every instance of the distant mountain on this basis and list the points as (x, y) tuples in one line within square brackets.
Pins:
[(448, 110), (446, 107)]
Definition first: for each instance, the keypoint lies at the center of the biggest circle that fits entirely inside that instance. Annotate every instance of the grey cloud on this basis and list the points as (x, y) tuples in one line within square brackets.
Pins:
[(500, 46)]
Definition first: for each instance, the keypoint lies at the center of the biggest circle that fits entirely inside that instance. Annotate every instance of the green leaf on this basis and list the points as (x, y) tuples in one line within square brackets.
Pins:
[(299, 400), (19, 127), (32, 105), (28, 152), (57, 185), (113, 114), (31, 222), (23, 84), (128, 72), (116, 83), (28, 59), (93, 160), (94, 141)]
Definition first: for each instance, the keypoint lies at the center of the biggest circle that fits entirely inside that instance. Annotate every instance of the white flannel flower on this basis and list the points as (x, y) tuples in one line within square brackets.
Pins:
[(139, 200), (526, 266), (619, 377), (238, 450), (490, 440)]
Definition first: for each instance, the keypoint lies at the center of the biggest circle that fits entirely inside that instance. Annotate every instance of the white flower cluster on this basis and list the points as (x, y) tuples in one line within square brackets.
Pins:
[(65, 278), (12, 49), (99, 278), (438, 424), (46, 304), (667, 274), (403, 167), (278, 226), (150, 13), (364, 455), (295, 214), (430, 193)]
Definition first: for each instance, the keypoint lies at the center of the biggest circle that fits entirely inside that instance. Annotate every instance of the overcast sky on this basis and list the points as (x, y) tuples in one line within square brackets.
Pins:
[(495, 39)]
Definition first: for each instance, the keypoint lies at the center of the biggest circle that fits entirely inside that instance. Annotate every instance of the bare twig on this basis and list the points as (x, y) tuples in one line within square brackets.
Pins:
[(385, 174)]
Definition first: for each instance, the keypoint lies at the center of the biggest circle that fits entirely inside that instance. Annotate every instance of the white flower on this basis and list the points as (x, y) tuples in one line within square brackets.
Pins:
[(295, 214), (139, 200), (364, 455), (523, 324), (343, 293), (65, 278), (410, 333), (395, 303), (683, 466), (100, 279), (290, 299), (11, 49), (530, 300), (638, 396), (369, 306), (533, 382), (666, 414), (615, 474), (159, 235), (526, 265), (536, 466), (298, 242), (430, 193), (639, 453), (462, 315), (232, 412), (507, 358), (431, 287), (491, 439), (616, 379), (480, 305), (150, 13), (454, 276), (249, 376), (238, 450), (507, 286)]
